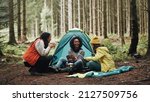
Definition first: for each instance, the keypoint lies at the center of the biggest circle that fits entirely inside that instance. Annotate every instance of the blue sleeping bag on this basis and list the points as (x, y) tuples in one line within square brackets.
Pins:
[(102, 74)]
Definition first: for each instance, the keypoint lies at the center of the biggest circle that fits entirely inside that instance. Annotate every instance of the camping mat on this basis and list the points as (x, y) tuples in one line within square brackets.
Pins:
[(102, 74)]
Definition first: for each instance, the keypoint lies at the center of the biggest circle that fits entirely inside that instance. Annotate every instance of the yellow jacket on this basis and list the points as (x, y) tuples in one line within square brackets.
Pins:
[(104, 58)]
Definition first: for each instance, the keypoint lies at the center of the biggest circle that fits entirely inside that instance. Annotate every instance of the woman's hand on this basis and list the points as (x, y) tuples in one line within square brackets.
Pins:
[(52, 44), (71, 58), (87, 58)]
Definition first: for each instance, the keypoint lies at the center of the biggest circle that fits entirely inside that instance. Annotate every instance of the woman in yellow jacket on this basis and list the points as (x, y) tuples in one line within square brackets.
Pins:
[(102, 61)]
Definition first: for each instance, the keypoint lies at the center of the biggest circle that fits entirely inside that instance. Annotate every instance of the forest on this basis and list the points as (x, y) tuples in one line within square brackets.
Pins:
[(122, 25)]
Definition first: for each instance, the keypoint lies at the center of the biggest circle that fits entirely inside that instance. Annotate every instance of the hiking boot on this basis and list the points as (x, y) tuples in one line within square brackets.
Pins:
[(67, 69), (36, 74), (54, 69), (72, 70), (75, 70)]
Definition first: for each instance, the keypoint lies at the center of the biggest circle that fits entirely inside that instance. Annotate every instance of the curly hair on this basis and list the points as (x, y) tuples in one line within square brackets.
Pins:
[(72, 44)]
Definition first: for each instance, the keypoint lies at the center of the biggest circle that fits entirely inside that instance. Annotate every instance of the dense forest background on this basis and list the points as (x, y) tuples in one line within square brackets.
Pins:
[(125, 20), (123, 26)]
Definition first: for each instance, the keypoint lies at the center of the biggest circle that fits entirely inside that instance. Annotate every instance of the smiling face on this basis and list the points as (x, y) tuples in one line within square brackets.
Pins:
[(76, 43)]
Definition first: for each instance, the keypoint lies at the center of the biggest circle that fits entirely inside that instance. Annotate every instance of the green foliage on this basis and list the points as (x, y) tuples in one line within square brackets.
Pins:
[(2, 44), (143, 44), (118, 52), (121, 53), (4, 16), (17, 50), (107, 43)]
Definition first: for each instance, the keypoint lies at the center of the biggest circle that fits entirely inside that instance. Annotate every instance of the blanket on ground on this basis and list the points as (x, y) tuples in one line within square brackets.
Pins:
[(102, 74)]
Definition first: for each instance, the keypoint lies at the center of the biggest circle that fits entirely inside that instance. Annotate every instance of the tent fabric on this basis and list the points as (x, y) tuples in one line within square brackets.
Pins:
[(64, 46), (94, 74)]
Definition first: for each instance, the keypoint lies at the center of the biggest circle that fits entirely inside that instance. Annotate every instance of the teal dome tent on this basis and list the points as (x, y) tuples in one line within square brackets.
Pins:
[(63, 46)]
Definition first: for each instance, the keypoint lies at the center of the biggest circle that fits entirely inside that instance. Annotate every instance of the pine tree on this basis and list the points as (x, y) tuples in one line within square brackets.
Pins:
[(24, 37), (19, 20), (12, 39), (134, 29), (148, 49)]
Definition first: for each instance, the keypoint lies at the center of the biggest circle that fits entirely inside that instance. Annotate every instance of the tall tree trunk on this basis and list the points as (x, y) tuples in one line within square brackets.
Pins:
[(90, 17), (118, 17), (120, 21), (124, 3), (79, 15), (19, 20), (128, 17), (64, 17), (98, 15), (52, 18), (113, 16), (12, 39), (74, 13), (101, 16), (61, 17), (122, 24), (108, 16), (146, 18), (33, 29), (94, 17), (69, 14), (148, 49), (58, 26), (104, 19), (24, 22), (141, 17), (37, 26), (84, 17), (134, 29)]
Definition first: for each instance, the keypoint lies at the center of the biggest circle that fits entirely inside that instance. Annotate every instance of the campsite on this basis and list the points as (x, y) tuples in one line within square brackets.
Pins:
[(14, 72), (17, 74), (123, 29)]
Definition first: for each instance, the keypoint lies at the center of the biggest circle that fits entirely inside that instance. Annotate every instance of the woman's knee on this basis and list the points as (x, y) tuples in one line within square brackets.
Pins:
[(89, 64), (93, 66), (79, 62), (63, 60)]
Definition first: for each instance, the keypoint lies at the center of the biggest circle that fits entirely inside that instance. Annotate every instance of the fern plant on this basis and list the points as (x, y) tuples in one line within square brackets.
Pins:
[(1, 45)]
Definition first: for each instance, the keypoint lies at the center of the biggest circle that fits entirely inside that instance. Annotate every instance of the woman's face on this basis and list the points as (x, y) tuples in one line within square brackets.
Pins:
[(49, 38), (95, 46), (76, 43)]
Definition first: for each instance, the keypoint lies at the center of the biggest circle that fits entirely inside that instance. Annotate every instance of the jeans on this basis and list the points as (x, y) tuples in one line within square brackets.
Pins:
[(94, 66), (63, 62)]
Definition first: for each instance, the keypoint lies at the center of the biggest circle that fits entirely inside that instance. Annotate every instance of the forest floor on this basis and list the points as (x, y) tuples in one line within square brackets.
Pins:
[(13, 73)]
